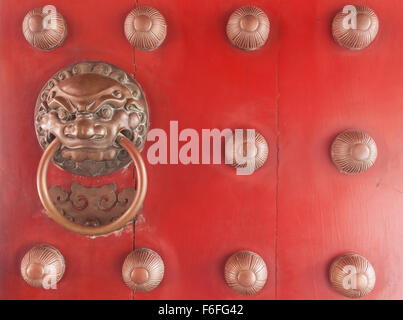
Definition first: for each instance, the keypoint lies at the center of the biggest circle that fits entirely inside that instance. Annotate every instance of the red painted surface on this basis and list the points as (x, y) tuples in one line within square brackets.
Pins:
[(297, 211)]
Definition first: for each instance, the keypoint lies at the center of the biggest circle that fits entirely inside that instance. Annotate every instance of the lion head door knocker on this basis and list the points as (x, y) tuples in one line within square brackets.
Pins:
[(92, 119)]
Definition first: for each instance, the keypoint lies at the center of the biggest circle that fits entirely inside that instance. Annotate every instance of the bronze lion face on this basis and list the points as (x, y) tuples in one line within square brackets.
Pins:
[(86, 106)]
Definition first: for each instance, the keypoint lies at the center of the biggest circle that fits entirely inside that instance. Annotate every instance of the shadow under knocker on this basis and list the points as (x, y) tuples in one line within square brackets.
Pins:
[(92, 119)]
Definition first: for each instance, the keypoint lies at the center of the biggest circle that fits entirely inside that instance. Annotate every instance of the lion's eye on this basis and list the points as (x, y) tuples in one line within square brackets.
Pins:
[(63, 114), (106, 112)]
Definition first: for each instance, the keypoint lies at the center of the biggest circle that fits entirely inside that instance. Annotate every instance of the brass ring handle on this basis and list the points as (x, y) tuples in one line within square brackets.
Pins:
[(119, 223)]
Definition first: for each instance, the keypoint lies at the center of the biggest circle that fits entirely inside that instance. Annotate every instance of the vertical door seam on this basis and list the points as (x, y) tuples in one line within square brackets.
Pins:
[(277, 150)]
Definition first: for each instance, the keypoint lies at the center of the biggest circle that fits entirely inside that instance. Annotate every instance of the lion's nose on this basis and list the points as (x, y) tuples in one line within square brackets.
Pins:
[(85, 129)]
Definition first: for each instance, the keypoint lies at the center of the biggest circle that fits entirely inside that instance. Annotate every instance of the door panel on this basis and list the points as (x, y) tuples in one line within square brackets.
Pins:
[(196, 216), (324, 90), (94, 33)]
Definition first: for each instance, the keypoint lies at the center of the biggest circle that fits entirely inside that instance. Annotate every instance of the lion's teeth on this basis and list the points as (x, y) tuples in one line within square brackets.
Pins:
[(78, 155), (109, 154), (94, 155), (66, 154)]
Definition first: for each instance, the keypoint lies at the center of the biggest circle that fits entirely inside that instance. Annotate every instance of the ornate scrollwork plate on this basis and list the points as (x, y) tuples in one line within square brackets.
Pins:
[(91, 206)]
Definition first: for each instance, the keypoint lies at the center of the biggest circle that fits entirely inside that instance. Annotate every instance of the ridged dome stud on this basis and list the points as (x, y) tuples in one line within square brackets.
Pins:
[(245, 272), (44, 29), (237, 153), (353, 151), (352, 276), (42, 266), (359, 36), (143, 270), (248, 28), (145, 28)]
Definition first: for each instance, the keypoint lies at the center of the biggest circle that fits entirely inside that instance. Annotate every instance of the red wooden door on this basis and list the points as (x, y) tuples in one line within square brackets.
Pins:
[(298, 212)]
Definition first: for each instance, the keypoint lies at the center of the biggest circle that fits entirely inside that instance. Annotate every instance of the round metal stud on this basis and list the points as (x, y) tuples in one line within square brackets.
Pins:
[(44, 28), (245, 272), (145, 28), (352, 276), (355, 33), (248, 28), (42, 266), (143, 270), (353, 151), (237, 153)]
